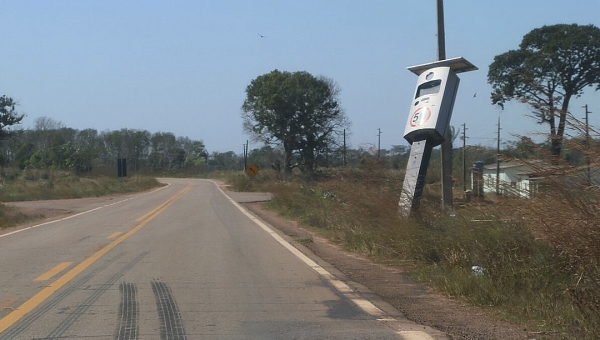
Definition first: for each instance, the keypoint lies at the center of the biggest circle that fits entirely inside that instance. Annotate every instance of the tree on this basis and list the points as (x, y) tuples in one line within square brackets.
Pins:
[(8, 117), (553, 65), (296, 110), (266, 157), (524, 148), (225, 161)]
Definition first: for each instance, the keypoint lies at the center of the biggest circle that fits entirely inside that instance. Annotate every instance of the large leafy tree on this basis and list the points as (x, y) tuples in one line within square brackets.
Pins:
[(8, 117), (553, 65), (296, 110)]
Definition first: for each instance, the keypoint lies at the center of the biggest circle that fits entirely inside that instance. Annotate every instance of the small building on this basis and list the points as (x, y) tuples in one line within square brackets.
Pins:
[(512, 179), (526, 179)]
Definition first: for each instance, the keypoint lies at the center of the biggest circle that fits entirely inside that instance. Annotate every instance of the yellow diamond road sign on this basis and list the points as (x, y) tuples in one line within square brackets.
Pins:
[(252, 170)]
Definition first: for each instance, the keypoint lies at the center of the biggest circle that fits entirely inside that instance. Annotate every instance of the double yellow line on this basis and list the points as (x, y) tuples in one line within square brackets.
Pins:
[(45, 293)]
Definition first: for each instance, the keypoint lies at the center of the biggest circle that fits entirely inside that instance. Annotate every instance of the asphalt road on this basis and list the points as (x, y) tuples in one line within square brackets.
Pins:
[(181, 262)]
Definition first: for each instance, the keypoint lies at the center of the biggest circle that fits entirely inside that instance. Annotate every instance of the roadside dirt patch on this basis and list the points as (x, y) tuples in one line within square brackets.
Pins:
[(416, 301), (34, 216), (46, 211)]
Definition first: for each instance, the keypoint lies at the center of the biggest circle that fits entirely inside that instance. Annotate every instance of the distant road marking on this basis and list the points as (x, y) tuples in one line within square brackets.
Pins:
[(45, 293), (115, 235), (57, 269)]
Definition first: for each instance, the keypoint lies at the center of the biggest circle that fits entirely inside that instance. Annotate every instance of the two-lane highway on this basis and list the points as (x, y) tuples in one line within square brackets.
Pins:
[(181, 262)]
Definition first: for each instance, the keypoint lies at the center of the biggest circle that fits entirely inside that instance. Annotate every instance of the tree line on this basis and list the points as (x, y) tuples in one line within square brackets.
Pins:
[(51, 145)]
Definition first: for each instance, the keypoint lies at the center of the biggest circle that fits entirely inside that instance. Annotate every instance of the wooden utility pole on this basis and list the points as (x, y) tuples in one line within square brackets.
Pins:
[(464, 157), (441, 35), (245, 155), (498, 161), (446, 147), (587, 145), (344, 151), (379, 143)]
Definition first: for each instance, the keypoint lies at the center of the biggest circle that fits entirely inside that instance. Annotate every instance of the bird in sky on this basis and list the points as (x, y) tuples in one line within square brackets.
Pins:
[(260, 35)]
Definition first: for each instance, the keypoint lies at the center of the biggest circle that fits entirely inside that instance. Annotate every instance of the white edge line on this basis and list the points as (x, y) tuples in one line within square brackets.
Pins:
[(414, 335), (366, 305), (81, 213)]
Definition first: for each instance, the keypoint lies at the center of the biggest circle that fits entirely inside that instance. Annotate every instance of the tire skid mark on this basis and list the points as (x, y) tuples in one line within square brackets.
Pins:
[(34, 302), (129, 311), (60, 330), (171, 324), (15, 331)]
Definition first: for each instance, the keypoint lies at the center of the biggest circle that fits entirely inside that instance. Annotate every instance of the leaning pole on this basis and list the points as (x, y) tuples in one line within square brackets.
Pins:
[(428, 122)]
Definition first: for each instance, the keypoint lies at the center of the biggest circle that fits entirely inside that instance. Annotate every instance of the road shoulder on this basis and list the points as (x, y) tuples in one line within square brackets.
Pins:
[(415, 301)]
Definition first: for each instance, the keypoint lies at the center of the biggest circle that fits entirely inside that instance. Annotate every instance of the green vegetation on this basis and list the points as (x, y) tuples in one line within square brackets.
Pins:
[(50, 145), (297, 111), (537, 260), (8, 117), (552, 65)]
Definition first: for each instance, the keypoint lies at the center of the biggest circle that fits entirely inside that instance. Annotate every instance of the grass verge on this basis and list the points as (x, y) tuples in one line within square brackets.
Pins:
[(533, 261)]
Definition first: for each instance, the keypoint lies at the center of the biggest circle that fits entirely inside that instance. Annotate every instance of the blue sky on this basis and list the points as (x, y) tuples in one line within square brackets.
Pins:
[(183, 66)]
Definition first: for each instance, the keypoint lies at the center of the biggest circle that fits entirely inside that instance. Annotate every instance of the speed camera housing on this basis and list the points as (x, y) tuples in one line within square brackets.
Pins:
[(432, 104)]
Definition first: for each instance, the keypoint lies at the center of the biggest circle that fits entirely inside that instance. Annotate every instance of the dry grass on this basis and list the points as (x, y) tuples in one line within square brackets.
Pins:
[(538, 258), (10, 216), (31, 185)]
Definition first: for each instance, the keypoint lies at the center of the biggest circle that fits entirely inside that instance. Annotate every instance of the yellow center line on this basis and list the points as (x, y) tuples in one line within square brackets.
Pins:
[(115, 235), (151, 212), (45, 293), (57, 269)]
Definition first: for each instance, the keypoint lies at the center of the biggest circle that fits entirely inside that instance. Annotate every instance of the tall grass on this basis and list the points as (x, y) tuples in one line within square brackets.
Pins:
[(27, 185), (536, 260), (567, 216)]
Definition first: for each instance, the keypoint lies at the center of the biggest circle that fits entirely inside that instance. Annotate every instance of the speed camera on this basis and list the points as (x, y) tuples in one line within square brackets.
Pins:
[(431, 108)]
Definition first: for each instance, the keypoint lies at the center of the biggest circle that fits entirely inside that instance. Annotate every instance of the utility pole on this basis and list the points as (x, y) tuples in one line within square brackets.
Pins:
[(344, 151), (245, 155), (587, 144), (498, 161), (441, 35), (464, 157), (379, 143), (446, 147)]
